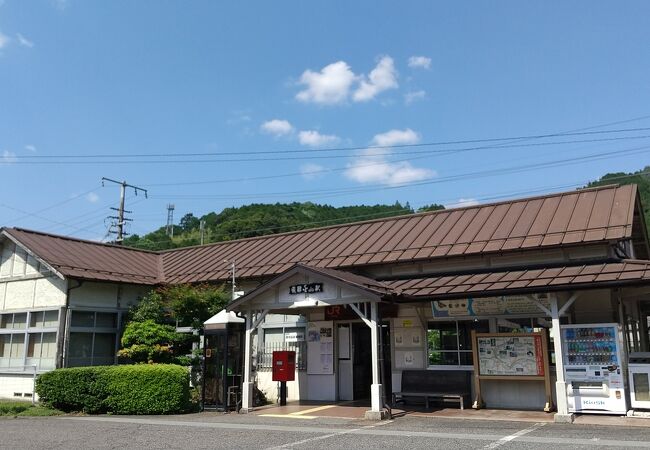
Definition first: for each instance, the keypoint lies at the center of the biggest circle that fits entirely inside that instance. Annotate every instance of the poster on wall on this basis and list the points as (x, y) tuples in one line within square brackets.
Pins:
[(320, 348), (510, 355), (489, 306)]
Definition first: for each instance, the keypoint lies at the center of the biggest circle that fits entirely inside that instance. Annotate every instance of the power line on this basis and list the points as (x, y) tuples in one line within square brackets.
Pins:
[(36, 159), (435, 180)]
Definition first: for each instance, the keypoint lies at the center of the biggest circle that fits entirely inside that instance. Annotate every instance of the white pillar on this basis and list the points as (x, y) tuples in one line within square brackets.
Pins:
[(562, 414), (247, 385), (375, 389)]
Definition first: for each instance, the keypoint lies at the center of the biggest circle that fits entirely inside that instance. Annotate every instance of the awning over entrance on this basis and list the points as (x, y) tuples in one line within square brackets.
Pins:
[(304, 286)]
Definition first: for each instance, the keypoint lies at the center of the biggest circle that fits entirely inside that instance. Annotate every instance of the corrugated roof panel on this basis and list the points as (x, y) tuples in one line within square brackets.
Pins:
[(623, 203), (460, 226), (472, 229), (431, 228), (545, 216), (582, 211), (509, 220), (497, 214), (439, 234)]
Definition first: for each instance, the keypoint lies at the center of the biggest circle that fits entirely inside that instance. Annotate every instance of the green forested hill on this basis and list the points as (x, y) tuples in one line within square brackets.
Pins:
[(259, 219)]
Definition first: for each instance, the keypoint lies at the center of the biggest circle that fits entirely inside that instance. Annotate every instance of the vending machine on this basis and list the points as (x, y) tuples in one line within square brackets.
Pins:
[(593, 368)]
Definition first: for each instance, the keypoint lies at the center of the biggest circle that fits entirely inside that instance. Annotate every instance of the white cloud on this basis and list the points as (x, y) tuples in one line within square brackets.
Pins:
[(420, 62), (8, 157), (413, 96), (30, 147), (277, 127), (382, 77), (373, 168), (92, 197), (311, 171), (396, 137), (463, 202), (372, 165), (329, 86), (4, 40), (312, 138), (22, 40)]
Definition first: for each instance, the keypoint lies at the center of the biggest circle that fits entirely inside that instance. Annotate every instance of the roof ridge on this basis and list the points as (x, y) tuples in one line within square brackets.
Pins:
[(401, 216)]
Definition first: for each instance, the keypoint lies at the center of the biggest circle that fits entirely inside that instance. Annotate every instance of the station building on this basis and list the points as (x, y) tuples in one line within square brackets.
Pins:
[(361, 303)]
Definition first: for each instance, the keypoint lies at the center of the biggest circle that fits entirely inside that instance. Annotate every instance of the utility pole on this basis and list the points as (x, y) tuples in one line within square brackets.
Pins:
[(202, 229), (121, 220), (170, 220)]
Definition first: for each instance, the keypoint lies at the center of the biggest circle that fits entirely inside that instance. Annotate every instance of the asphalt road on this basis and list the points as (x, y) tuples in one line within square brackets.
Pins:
[(215, 431)]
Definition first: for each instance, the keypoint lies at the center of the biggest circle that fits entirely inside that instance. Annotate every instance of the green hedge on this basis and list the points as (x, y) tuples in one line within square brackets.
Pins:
[(129, 389), (77, 389)]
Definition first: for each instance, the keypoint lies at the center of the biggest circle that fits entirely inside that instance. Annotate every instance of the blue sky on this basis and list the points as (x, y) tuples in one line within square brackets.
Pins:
[(227, 79)]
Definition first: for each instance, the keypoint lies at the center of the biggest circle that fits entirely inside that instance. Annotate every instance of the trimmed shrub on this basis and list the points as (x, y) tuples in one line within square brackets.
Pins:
[(147, 389), (129, 389), (75, 389)]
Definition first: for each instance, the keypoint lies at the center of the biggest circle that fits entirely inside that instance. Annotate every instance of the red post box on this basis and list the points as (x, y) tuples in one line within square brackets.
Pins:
[(284, 365)]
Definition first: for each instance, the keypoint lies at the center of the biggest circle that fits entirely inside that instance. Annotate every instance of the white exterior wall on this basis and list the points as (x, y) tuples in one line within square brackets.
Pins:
[(106, 295), (25, 285)]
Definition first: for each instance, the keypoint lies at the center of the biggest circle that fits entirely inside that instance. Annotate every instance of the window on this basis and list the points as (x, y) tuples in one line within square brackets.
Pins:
[(450, 343), (29, 339), (93, 338), (15, 321), (12, 347), (41, 350), (282, 338)]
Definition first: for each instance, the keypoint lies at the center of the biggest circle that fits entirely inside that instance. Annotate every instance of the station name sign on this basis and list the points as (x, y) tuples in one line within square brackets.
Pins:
[(305, 288)]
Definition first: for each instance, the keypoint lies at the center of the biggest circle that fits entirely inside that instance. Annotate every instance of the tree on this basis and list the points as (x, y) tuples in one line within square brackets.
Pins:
[(151, 342), (150, 335), (189, 222)]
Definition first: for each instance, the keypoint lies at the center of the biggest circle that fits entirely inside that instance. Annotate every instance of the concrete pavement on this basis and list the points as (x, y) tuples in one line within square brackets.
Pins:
[(215, 431)]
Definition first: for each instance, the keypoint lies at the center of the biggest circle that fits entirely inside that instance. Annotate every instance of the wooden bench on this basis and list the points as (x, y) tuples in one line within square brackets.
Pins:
[(445, 385)]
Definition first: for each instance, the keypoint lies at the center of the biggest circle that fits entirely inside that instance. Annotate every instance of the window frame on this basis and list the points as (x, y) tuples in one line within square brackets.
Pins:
[(94, 330), (458, 351), (27, 332)]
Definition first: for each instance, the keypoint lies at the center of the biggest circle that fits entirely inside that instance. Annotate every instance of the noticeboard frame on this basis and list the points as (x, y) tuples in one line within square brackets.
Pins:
[(546, 377)]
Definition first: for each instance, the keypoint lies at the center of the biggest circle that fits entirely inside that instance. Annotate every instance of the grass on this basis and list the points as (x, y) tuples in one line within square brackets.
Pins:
[(20, 409)]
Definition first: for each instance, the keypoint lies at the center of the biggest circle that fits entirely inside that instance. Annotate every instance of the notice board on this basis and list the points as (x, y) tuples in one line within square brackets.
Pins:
[(320, 348), (510, 355)]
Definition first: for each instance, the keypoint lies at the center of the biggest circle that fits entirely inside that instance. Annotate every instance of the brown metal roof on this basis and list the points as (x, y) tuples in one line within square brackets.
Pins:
[(522, 281), (582, 216), (90, 260)]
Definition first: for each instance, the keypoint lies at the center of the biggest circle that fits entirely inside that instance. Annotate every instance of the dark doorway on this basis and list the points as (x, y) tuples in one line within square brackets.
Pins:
[(361, 369)]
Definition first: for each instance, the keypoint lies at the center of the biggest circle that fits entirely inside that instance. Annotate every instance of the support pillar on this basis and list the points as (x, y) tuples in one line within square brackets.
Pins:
[(562, 414), (247, 385), (376, 408)]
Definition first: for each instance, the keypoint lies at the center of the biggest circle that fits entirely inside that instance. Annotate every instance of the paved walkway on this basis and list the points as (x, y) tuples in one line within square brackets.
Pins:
[(357, 410)]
